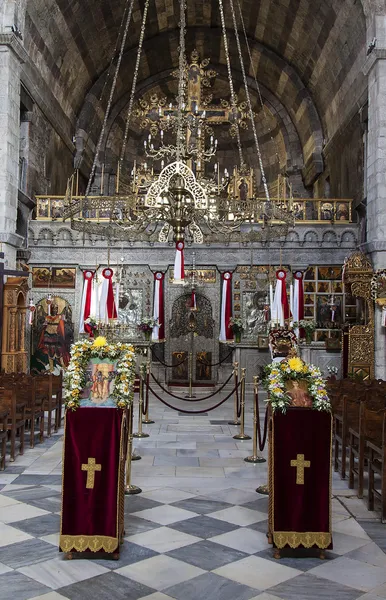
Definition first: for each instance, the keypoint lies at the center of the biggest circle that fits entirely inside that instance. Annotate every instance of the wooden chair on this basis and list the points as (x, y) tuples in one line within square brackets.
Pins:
[(48, 387), (16, 418), (4, 412), (29, 392), (57, 393), (376, 457), (343, 420)]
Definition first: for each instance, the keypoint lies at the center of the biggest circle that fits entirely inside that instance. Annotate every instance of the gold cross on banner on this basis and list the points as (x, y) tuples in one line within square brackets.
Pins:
[(300, 465), (91, 467)]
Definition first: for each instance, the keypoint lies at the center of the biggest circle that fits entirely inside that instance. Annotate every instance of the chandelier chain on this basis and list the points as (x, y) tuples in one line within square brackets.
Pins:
[(263, 177), (273, 140), (233, 95), (110, 100), (134, 84), (181, 77)]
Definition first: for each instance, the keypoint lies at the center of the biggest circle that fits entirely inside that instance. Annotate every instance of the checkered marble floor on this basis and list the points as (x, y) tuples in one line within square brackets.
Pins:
[(197, 530)]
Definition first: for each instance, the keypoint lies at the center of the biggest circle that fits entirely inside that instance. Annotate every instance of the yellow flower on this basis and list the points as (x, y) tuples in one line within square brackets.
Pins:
[(283, 366), (99, 342), (296, 364)]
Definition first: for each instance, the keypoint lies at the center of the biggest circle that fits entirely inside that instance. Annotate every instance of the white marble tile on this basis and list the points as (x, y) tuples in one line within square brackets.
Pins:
[(239, 515), (351, 527), (160, 572), (199, 472), (346, 543), (352, 573), (5, 478), (266, 596), (52, 538), (370, 554), (165, 514), (163, 539), (20, 512), (156, 596), (147, 471), (245, 540), (257, 572), (57, 573), (4, 569), (234, 496), (11, 535), (6, 501), (222, 462), (167, 495)]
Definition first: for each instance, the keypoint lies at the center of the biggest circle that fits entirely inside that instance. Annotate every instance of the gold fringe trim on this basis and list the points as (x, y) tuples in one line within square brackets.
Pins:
[(81, 543), (294, 539)]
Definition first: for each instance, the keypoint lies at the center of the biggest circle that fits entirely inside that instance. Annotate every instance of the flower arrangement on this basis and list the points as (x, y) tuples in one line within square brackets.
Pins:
[(237, 324), (75, 375), (308, 325), (91, 325), (332, 370), (147, 324), (276, 375)]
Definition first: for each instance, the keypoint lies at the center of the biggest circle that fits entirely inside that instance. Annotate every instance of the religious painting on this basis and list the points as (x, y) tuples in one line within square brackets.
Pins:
[(324, 287), (309, 286), (337, 287), (55, 277), (309, 274), (263, 342), (323, 310), (180, 370), (298, 211), (322, 335), (99, 383), (184, 321), (56, 209), (131, 309), (237, 307), (329, 273), (309, 299), (236, 297), (327, 211), (298, 390), (200, 275), (52, 336), (343, 211), (255, 315), (42, 208), (203, 366), (236, 285), (309, 312)]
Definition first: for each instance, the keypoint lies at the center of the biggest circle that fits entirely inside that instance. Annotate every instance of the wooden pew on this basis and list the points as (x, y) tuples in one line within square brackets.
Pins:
[(4, 412), (16, 418), (375, 417)]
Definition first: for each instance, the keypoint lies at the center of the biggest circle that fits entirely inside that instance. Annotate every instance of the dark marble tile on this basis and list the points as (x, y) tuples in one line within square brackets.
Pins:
[(299, 588), (300, 559), (210, 587), (376, 532), (26, 553), (32, 494), (15, 586), (261, 526), (129, 554), (219, 421), (39, 526), (136, 503), (204, 527), (201, 505), (109, 586), (11, 470), (52, 504), (134, 525), (261, 504), (2, 486), (38, 480), (207, 555)]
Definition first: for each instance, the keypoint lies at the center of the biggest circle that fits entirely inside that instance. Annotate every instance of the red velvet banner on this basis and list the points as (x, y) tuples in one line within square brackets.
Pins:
[(301, 479), (92, 469)]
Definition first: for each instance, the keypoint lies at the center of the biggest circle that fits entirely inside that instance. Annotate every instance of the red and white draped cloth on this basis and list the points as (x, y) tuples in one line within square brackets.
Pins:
[(298, 301), (179, 263), (226, 333), (85, 309), (158, 310), (280, 309), (107, 308)]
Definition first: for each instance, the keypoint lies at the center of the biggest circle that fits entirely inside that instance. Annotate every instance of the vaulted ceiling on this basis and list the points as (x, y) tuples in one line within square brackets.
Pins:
[(308, 54)]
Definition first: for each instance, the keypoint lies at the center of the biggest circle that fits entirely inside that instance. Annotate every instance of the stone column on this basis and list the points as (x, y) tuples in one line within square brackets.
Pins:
[(375, 69), (11, 56)]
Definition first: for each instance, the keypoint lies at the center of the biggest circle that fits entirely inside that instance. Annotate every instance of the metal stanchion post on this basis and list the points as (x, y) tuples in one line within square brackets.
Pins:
[(236, 376), (147, 420), (255, 458), (129, 488), (140, 433), (190, 394), (242, 435)]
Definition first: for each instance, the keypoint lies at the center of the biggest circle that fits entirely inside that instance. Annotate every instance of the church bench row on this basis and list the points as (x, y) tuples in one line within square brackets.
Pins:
[(359, 417)]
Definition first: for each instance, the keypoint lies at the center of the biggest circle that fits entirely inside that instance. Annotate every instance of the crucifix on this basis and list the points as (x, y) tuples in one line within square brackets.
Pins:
[(6, 273), (300, 465), (91, 467)]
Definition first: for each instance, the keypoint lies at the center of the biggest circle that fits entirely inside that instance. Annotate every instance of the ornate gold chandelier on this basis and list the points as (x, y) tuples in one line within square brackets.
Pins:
[(178, 192)]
